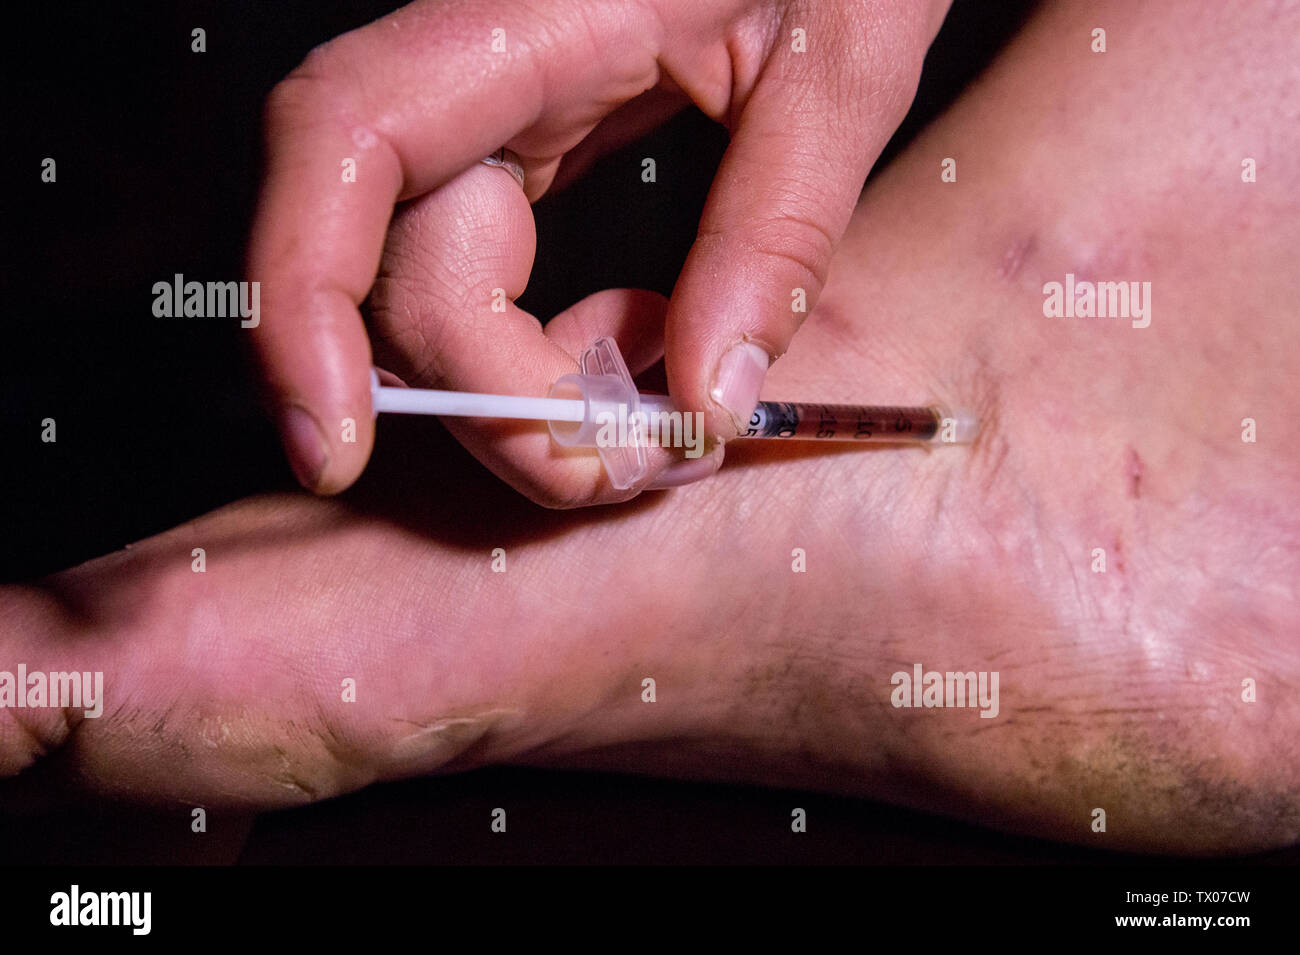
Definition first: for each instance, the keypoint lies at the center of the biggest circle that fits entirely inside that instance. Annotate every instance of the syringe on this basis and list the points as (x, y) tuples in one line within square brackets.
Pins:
[(792, 420), (605, 402)]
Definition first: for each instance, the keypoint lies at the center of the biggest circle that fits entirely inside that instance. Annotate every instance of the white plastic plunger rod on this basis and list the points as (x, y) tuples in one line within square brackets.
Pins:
[(470, 405)]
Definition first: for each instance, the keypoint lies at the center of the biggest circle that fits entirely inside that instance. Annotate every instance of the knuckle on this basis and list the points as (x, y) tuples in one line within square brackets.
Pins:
[(311, 91), (792, 240), (799, 239), (290, 101)]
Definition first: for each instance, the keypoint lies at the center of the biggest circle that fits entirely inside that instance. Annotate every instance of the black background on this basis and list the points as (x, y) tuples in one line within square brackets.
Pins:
[(158, 151)]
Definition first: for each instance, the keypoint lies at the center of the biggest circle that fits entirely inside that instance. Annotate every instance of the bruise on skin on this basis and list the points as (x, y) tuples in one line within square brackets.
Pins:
[(1014, 257), (1161, 792), (1133, 472), (1163, 786)]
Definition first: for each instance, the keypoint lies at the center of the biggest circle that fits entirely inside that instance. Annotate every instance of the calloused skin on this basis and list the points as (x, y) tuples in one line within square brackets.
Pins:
[(1120, 690)]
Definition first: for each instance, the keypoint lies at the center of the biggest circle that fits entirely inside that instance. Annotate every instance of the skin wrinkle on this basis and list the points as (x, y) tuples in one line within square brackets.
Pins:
[(247, 752), (449, 737), (638, 79), (15, 760), (397, 330)]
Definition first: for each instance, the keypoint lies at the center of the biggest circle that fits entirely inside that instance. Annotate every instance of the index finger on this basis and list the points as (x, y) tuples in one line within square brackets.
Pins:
[(385, 113)]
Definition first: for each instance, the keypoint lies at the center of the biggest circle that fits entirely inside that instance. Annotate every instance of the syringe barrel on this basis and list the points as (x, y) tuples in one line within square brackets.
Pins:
[(875, 424)]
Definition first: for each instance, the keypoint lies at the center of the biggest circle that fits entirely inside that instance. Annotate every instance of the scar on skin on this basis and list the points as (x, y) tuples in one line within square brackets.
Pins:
[(363, 138), (1015, 257), (1133, 472)]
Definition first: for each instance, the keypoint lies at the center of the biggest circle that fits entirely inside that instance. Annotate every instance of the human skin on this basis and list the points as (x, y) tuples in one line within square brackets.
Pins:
[(1119, 690), (418, 98)]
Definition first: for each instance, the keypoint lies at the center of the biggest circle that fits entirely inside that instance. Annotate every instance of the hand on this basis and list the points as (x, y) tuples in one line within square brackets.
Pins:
[(810, 92)]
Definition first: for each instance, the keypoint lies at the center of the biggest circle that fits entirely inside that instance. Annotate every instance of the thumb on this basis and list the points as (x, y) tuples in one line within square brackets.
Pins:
[(779, 204)]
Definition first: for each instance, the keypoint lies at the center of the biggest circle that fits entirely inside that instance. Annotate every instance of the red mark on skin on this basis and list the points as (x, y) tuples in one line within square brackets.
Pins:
[(1015, 257), (1133, 472)]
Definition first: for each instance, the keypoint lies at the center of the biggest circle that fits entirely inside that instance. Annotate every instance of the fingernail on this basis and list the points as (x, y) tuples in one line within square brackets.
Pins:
[(307, 450), (739, 377), (687, 472)]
